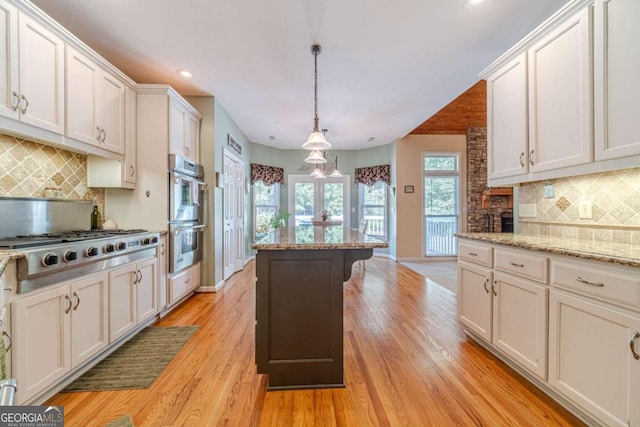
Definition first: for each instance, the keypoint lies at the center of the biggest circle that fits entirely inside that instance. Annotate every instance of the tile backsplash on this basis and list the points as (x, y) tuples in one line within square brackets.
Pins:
[(615, 207), (29, 169)]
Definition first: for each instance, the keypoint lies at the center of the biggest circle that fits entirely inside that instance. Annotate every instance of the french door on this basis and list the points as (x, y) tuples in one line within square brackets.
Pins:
[(308, 197)]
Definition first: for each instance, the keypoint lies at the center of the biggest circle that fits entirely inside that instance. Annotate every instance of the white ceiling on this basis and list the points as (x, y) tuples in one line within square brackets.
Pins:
[(386, 66)]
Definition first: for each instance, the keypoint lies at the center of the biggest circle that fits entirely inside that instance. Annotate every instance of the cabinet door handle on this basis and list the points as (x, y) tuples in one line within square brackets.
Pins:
[(8, 335), (135, 277), (522, 159), (473, 254), (75, 307), (632, 345), (99, 133), (486, 282), (16, 103), (187, 281), (516, 264), (133, 171), (493, 291), (70, 304), (104, 135), (587, 282), (26, 104), (531, 157), (140, 278), (162, 249)]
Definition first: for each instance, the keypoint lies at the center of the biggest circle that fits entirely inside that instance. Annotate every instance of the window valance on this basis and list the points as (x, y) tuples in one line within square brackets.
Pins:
[(372, 174), (269, 175)]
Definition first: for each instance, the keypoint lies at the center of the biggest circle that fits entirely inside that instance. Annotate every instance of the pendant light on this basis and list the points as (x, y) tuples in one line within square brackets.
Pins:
[(316, 157), (336, 172), (316, 140)]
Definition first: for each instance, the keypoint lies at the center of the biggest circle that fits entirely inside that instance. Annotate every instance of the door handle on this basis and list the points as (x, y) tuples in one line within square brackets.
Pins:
[(531, 157), (179, 230), (493, 291), (486, 282), (16, 97), (632, 345), (135, 277), (70, 304), (522, 159), (26, 104), (75, 307), (133, 171)]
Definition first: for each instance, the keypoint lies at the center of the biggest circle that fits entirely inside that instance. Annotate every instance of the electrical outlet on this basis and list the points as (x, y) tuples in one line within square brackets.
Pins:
[(527, 210), (548, 191), (584, 210)]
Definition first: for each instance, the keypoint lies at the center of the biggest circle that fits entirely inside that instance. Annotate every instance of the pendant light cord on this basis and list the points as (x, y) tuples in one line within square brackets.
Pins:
[(315, 49)]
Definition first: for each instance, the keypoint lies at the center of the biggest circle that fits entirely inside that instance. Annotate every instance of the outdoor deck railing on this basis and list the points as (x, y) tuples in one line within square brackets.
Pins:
[(440, 239)]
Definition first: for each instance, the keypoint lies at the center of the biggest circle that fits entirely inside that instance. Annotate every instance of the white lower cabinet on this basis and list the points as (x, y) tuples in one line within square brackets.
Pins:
[(593, 348), (520, 321), (57, 330), (475, 299), (132, 296), (183, 283), (507, 312)]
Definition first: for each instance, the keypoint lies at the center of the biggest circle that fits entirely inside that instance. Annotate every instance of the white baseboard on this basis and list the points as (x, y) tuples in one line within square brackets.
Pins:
[(383, 255), (248, 260), (410, 259), (209, 288)]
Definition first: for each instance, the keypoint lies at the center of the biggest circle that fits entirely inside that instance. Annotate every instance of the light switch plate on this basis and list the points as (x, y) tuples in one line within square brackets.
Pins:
[(527, 210), (548, 191)]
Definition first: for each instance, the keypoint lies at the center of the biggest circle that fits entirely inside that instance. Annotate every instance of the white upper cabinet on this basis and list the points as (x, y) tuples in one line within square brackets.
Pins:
[(95, 103), (507, 119), (9, 98), (184, 131), (616, 71), (581, 92), (31, 71), (560, 95)]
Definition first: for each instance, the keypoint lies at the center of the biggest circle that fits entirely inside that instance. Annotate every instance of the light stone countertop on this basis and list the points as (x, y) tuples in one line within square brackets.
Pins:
[(316, 237), (5, 257), (615, 253)]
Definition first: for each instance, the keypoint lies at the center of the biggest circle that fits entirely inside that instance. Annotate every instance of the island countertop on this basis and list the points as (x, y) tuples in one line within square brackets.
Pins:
[(611, 252), (317, 237)]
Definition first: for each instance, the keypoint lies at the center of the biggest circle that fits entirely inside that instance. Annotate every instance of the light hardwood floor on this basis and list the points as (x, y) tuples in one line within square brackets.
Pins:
[(407, 363)]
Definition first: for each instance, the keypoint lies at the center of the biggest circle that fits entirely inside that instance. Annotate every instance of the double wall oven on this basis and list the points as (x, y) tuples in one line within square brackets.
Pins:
[(186, 212)]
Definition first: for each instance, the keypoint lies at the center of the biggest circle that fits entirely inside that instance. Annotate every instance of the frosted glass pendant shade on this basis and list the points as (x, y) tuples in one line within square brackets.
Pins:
[(318, 173), (315, 157), (316, 141), (336, 174)]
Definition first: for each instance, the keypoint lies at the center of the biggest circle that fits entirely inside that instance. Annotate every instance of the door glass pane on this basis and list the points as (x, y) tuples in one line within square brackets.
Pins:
[(304, 202), (333, 200), (441, 215)]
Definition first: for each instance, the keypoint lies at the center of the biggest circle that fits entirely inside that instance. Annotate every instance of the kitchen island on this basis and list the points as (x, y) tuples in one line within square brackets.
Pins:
[(299, 291)]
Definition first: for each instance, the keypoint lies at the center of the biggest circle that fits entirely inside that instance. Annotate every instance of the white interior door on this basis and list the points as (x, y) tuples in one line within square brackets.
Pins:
[(238, 216), (227, 208), (233, 209)]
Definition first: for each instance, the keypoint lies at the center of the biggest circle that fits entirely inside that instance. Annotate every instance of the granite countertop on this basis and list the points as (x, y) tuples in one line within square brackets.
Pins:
[(615, 253), (6, 256), (317, 237)]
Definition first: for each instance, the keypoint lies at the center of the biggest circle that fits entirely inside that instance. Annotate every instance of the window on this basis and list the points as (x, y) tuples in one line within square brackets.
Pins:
[(441, 203), (266, 200), (373, 208), (309, 197)]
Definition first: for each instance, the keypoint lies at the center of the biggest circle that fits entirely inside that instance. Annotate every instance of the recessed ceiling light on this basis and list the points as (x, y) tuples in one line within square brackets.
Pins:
[(185, 73), (475, 2)]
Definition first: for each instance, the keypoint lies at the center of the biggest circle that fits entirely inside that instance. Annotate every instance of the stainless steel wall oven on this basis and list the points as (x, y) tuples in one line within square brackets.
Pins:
[(186, 217)]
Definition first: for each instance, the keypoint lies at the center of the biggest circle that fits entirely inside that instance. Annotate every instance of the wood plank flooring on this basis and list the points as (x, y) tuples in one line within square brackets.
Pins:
[(407, 363)]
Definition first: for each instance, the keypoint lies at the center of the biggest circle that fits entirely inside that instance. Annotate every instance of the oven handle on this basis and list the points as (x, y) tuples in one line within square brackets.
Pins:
[(180, 229)]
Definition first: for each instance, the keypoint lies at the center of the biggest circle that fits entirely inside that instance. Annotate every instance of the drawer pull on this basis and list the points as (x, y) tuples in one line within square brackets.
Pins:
[(515, 264), (473, 254), (486, 282), (586, 282), (632, 345)]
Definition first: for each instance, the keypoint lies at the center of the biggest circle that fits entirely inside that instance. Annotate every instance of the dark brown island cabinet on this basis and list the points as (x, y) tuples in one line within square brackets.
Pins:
[(299, 311)]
